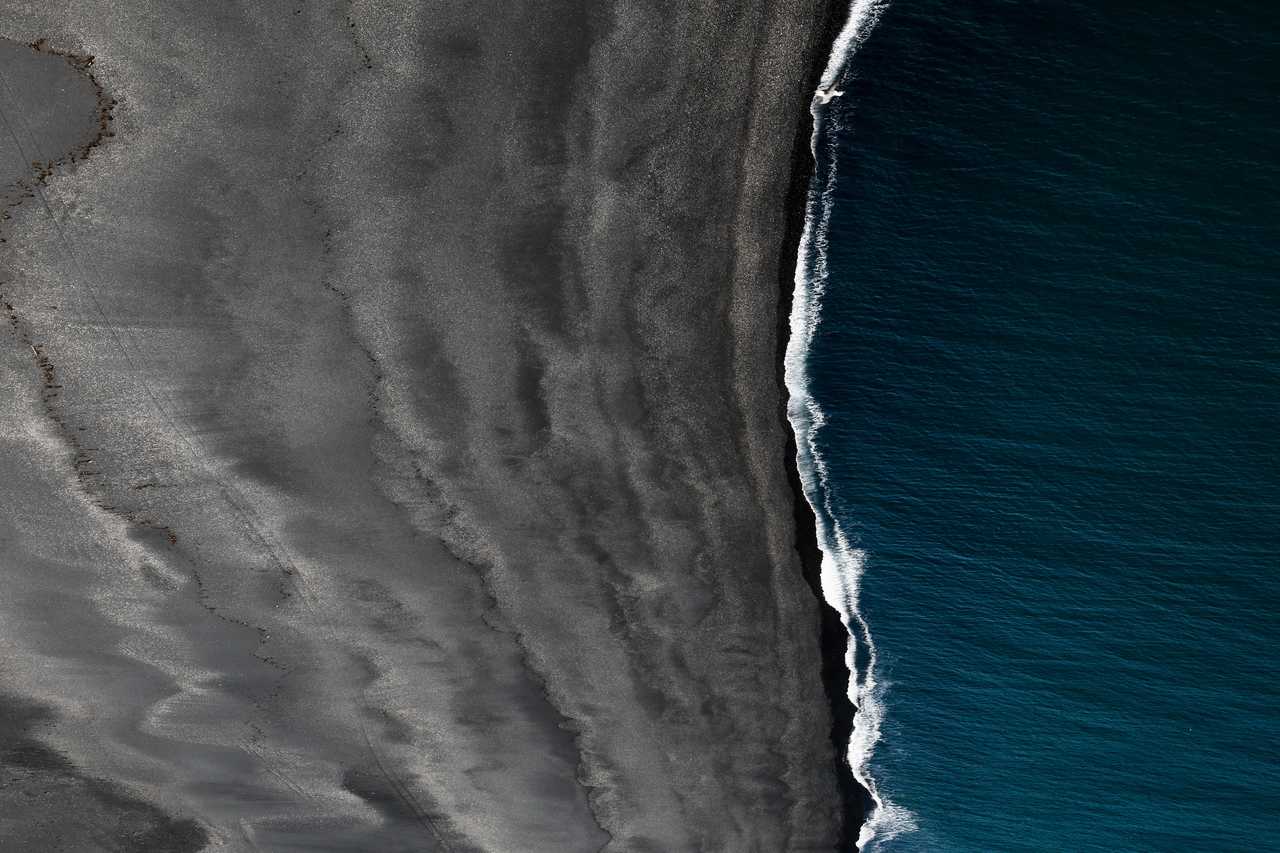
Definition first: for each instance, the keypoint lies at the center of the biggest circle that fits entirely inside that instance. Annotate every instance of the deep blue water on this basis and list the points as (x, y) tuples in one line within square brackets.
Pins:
[(1049, 359)]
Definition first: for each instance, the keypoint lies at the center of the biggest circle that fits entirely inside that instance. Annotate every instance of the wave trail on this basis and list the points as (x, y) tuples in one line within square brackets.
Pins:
[(842, 564)]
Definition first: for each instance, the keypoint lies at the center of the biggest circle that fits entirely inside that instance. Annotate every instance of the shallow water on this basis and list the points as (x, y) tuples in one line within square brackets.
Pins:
[(1047, 360)]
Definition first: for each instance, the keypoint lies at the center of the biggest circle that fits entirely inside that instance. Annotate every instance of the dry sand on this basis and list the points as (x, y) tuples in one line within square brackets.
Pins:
[(391, 445)]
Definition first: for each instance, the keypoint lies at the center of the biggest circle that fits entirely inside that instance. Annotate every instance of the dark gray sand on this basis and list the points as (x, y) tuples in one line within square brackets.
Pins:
[(390, 447)]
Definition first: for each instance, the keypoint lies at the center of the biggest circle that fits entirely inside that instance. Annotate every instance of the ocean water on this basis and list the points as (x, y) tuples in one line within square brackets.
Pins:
[(1035, 367)]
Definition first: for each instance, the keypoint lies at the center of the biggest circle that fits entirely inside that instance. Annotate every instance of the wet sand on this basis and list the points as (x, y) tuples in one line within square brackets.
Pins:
[(392, 443)]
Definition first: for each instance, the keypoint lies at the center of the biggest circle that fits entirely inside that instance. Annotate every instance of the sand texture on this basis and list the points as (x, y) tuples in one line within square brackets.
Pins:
[(391, 449)]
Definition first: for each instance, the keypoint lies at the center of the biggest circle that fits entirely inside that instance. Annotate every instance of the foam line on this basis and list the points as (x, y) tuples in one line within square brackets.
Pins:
[(842, 564)]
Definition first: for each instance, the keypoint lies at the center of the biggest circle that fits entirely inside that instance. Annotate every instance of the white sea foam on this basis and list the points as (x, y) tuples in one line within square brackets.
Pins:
[(842, 564)]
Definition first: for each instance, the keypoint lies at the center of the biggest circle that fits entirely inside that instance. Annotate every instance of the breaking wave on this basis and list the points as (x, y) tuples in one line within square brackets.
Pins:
[(842, 564)]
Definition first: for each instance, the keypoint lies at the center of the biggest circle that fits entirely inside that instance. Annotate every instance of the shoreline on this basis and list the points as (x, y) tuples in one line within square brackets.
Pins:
[(856, 801)]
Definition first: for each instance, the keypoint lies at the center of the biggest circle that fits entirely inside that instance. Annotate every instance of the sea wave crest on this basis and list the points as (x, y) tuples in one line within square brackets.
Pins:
[(842, 563)]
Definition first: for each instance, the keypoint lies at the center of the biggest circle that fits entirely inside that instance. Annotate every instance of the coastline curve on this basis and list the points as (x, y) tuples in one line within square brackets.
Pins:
[(842, 564)]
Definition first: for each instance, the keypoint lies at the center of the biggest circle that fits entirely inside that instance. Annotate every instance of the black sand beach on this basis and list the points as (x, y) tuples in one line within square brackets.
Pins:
[(392, 449)]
